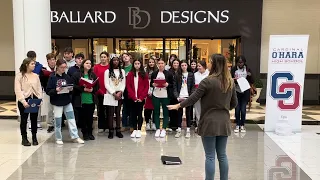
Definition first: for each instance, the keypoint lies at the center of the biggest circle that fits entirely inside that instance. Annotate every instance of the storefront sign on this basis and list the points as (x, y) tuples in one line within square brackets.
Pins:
[(184, 17), (83, 17), (136, 16), (286, 70), (154, 18)]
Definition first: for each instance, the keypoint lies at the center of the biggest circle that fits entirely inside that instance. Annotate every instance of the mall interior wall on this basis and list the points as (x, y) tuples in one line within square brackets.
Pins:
[(6, 49), (284, 17)]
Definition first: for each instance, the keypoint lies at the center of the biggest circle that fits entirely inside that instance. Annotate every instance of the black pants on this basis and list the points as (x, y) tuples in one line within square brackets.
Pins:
[(111, 111), (188, 116), (24, 119), (102, 114), (77, 114), (136, 114), (86, 118), (173, 115), (148, 115)]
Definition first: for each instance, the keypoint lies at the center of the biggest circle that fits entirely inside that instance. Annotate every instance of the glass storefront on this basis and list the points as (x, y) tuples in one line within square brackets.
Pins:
[(144, 48)]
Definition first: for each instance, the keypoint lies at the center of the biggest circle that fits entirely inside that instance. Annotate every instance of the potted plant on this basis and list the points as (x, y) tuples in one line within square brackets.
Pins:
[(258, 86)]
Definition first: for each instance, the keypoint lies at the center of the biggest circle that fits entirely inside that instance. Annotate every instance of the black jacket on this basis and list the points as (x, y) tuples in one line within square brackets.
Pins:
[(169, 79), (78, 90), (73, 70), (54, 81), (178, 83)]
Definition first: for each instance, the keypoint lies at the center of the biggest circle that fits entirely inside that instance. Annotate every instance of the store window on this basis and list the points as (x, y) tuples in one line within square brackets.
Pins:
[(99, 45), (140, 48), (202, 49), (176, 46)]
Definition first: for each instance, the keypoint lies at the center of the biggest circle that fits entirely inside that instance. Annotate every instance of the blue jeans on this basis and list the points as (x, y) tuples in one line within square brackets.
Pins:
[(241, 109), (212, 145), (68, 111)]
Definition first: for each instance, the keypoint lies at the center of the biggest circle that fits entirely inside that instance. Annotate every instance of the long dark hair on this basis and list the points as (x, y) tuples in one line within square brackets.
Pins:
[(189, 66), (141, 73), (219, 69), (177, 73), (154, 68), (82, 68), (111, 68), (243, 58), (24, 66)]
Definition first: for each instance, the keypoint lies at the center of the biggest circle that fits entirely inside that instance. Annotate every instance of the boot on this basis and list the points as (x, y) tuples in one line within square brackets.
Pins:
[(111, 131), (85, 136), (34, 140), (118, 133), (25, 141)]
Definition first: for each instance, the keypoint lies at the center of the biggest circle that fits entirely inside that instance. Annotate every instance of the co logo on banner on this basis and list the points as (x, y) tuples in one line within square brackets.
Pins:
[(285, 90)]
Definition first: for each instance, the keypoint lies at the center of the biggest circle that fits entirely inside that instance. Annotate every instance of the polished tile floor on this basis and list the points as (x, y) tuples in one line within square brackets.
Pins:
[(252, 156)]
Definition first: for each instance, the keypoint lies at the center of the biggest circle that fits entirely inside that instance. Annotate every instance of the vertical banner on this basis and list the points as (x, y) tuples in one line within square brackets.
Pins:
[(286, 70)]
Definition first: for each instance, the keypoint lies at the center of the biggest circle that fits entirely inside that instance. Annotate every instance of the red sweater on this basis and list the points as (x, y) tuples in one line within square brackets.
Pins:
[(143, 87), (99, 71)]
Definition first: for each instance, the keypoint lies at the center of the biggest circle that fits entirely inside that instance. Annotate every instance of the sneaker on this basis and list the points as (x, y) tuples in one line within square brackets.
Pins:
[(157, 133), (101, 131), (78, 140), (59, 142), (148, 127), (153, 127), (188, 135), (178, 134), (163, 133), (243, 129), (133, 134), (39, 126), (170, 129), (50, 129), (236, 130), (138, 135)]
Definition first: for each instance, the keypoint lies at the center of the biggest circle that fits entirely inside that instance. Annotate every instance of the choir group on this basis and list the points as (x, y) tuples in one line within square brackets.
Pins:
[(122, 89)]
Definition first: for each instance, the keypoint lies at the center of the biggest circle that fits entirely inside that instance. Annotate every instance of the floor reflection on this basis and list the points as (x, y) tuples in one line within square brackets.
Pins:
[(252, 156)]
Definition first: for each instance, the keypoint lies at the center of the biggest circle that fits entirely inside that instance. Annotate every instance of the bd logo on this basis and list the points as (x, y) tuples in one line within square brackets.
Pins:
[(285, 90)]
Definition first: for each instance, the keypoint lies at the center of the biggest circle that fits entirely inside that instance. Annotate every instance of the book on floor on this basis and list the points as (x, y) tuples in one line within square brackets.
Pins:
[(171, 160)]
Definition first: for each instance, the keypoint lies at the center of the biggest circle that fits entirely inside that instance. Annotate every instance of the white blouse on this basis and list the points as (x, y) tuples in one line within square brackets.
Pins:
[(116, 84)]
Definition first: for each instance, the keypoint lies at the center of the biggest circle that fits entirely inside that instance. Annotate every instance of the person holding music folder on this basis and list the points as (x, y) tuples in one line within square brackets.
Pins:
[(27, 86), (162, 81), (115, 83), (44, 77), (84, 96), (137, 84), (218, 97), (241, 70), (59, 89)]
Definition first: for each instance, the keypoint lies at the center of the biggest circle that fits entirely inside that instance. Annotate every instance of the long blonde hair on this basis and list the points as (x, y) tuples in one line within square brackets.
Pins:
[(219, 69)]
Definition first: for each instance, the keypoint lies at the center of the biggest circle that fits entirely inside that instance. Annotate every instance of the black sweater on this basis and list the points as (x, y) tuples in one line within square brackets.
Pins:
[(78, 90), (55, 81), (178, 83)]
